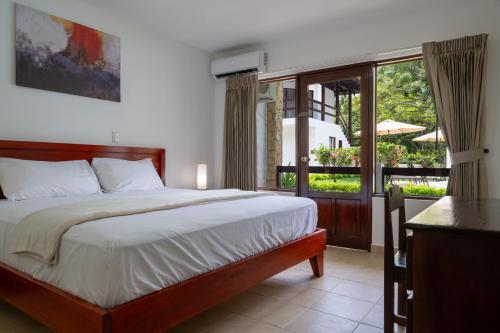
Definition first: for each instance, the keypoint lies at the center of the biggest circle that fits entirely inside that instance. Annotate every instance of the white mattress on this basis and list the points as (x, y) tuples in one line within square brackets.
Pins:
[(114, 260)]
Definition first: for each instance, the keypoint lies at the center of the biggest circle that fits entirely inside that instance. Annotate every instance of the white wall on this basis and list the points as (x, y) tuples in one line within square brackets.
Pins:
[(167, 95), (437, 20)]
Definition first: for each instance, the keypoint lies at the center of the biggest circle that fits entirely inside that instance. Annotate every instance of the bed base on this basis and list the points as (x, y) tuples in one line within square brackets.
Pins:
[(161, 310)]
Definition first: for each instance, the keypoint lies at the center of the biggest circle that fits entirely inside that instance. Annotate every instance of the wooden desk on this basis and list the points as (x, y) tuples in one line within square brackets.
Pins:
[(456, 266)]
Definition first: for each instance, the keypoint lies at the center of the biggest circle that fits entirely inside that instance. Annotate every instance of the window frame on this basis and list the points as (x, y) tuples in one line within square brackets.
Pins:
[(433, 172)]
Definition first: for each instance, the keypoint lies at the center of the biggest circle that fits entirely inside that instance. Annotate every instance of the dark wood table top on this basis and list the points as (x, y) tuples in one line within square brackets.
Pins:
[(452, 213)]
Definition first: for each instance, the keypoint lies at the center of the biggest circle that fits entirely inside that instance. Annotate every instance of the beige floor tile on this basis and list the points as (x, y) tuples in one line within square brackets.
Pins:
[(375, 317), (318, 322), (362, 328), (308, 297), (254, 305), (294, 276), (343, 306), (325, 283), (366, 292), (278, 289), (283, 315), (368, 275), (238, 323), (340, 270)]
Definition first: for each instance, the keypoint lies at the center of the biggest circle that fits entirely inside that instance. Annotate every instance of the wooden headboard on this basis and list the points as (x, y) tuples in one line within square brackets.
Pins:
[(46, 151)]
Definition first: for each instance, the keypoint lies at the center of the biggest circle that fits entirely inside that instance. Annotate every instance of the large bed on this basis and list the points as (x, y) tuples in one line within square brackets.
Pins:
[(147, 272)]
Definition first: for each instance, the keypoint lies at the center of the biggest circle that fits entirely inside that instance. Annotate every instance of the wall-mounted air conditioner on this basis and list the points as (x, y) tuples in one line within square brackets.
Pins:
[(248, 63)]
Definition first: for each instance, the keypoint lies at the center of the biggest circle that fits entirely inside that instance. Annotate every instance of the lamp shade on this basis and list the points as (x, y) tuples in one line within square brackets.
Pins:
[(201, 178)]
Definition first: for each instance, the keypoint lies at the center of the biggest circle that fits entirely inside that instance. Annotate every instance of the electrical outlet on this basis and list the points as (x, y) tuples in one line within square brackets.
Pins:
[(115, 137)]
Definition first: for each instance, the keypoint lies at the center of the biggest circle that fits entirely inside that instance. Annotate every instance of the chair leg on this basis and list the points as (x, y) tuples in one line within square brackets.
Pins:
[(317, 264), (388, 304), (402, 298)]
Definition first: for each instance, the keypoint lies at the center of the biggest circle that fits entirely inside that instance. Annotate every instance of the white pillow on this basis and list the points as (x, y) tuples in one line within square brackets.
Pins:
[(117, 175), (23, 179)]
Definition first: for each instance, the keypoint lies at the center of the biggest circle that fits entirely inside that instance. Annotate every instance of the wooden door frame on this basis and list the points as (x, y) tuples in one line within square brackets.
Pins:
[(366, 72)]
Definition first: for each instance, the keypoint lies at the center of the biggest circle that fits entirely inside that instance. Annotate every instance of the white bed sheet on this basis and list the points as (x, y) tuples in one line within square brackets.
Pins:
[(111, 261)]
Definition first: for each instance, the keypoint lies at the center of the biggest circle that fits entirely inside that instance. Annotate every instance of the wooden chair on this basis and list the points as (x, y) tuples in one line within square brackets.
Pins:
[(395, 263)]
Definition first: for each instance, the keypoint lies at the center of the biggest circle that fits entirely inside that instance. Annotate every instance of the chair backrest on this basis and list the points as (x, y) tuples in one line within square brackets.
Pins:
[(394, 200)]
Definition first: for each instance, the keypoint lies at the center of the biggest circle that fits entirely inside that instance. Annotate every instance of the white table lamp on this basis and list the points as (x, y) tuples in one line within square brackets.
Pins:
[(201, 179)]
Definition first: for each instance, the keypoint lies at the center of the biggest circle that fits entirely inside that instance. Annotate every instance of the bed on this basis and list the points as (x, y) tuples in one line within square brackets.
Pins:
[(115, 277)]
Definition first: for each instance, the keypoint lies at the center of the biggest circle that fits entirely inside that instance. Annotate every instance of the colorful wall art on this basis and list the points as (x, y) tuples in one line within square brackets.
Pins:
[(59, 55)]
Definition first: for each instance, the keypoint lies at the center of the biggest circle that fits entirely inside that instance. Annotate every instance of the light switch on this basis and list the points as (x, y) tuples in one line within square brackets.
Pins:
[(115, 137)]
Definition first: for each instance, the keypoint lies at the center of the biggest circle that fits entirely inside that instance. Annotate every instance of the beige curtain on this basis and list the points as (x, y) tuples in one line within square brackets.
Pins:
[(240, 133), (456, 70)]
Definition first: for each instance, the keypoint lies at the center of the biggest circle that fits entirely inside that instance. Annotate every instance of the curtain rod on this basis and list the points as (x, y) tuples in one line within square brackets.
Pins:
[(342, 62)]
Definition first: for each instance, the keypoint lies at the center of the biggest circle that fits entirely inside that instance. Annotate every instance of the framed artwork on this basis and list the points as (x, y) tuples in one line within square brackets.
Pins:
[(56, 54)]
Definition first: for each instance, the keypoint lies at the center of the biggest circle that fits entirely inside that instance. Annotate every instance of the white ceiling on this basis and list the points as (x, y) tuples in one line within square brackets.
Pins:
[(216, 25)]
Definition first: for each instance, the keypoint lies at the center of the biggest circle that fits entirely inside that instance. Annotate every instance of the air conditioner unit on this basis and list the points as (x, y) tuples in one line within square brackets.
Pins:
[(248, 63)]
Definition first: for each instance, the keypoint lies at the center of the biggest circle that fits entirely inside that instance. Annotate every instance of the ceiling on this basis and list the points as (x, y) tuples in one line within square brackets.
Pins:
[(216, 25)]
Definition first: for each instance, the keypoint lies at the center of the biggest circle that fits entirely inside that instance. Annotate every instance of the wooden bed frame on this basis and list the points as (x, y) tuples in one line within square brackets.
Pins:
[(158, 311)]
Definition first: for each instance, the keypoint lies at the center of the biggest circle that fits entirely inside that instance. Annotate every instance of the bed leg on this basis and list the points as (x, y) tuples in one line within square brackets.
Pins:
[(317, 264)]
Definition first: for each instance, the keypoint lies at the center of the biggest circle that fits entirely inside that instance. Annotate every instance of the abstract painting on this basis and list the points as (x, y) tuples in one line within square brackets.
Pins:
[(59, 55)]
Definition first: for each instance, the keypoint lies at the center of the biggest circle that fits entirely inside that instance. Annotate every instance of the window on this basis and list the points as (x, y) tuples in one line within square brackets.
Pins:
[(410, 147), (332, 142), (276, 135)]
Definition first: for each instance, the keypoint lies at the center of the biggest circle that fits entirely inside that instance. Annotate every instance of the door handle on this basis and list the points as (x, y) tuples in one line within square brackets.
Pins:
[(305, 159)]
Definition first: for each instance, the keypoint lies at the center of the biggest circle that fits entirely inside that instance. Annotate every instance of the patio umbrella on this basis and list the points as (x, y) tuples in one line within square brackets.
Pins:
[(430, 137), (388, 127)]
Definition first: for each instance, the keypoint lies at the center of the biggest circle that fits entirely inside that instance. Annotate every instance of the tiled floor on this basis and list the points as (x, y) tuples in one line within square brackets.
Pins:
[(348, 298)]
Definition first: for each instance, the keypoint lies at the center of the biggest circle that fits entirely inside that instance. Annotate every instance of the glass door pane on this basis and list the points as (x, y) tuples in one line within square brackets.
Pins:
[(334, 129), (276, 122)]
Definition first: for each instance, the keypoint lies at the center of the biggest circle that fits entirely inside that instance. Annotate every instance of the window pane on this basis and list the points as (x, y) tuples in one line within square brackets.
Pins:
[(276, 135), (410, 148), (334, 150)]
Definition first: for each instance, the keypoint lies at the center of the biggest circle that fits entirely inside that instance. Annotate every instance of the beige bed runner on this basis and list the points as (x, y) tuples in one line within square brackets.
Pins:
[(39, 234)]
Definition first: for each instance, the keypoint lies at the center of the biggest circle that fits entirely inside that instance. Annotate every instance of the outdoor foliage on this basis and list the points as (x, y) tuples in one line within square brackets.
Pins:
[(412, 189), (390, 154), (350, 183), (403, 94), (425, 160), (288, 180), (327, 156), (333, 186), (419, 189)]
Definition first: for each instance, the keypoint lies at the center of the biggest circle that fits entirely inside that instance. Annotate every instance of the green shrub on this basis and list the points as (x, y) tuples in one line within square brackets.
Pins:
[(390, 154), (336, 157), (412, 189), (332, 186), (426, 159), (321, 176)]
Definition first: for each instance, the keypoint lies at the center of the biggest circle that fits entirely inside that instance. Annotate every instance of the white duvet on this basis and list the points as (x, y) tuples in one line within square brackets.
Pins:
[(114, 260)]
